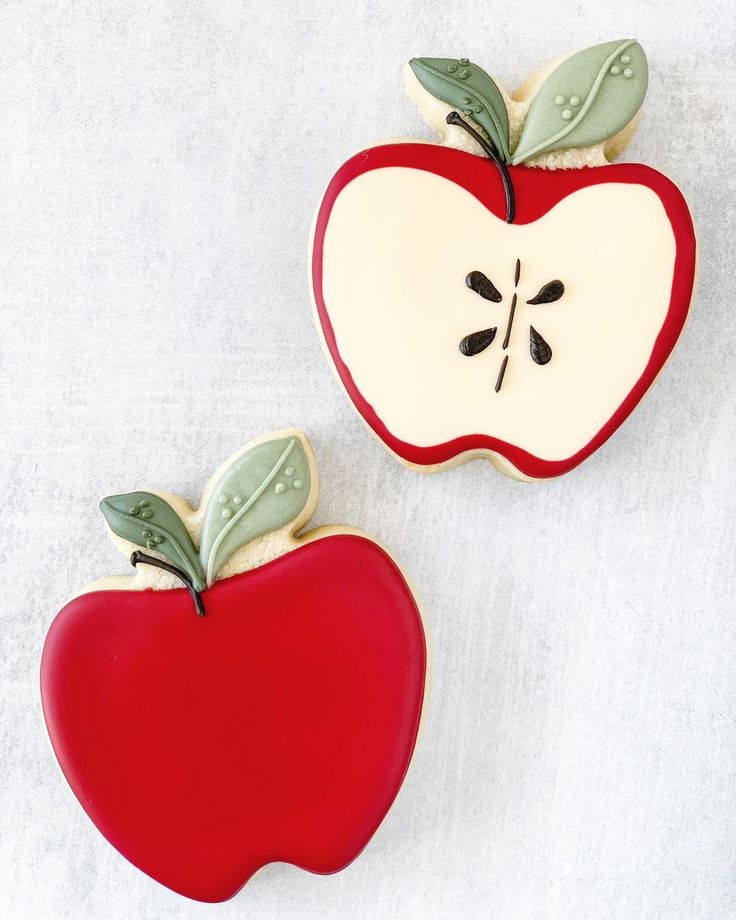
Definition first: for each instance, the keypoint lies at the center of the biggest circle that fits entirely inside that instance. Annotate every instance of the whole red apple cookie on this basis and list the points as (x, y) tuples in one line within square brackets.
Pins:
[(265, 711), (507, 293)]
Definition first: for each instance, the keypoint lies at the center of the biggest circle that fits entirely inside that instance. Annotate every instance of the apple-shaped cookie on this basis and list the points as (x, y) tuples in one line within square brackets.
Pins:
[(472, 307), (277, 725)]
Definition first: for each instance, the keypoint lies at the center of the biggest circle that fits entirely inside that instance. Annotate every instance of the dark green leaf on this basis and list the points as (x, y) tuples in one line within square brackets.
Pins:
[(150, 522), (471, 91)]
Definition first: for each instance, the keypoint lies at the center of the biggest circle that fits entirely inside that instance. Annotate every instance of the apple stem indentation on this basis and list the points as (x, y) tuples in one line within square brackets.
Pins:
[(454, 119), (138, 556)]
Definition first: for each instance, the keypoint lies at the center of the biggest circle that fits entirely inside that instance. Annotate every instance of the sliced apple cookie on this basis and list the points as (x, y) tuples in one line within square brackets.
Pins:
[(506, 293)]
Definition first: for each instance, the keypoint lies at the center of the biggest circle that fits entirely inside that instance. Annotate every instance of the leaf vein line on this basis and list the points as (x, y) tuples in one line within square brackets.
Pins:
[(490, 108), (190, 563)]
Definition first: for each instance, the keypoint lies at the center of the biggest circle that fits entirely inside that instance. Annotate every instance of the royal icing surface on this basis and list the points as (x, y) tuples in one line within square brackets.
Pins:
[(401, 230), (394, 280), (277, 728)]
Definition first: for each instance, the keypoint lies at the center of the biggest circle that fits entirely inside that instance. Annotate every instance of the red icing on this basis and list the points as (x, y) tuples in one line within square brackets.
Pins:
[(537, 191), (279, 727)]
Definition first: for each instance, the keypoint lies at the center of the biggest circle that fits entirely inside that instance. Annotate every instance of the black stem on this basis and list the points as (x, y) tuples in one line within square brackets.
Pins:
[(454, 119), (138, 556)]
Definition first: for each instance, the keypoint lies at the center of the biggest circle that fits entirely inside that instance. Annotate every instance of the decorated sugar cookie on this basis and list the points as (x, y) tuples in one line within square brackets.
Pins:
[(249, 695), (506, 293)]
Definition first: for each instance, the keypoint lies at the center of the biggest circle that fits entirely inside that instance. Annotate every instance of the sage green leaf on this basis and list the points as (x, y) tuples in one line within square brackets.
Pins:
[(471, 91), (262, 490), (590, 97), (150, 522)]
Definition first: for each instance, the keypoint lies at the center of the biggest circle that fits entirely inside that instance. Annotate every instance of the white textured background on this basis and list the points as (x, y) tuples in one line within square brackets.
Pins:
[(159, 166)]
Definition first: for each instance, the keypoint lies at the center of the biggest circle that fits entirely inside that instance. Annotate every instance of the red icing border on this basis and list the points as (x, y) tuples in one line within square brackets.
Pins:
[(537, 191)]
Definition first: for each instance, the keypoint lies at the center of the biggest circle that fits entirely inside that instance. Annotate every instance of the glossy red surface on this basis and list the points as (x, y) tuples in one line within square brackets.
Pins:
[(537, 191), (279, 727)]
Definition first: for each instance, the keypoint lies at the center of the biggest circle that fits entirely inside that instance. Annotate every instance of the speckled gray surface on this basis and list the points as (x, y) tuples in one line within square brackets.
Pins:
[(159, 166)]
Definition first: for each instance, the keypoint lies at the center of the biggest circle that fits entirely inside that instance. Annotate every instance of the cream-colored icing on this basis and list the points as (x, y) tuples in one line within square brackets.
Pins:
[(397, 248)]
